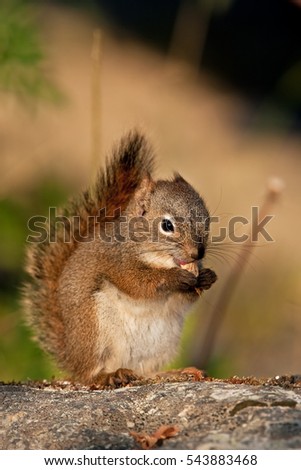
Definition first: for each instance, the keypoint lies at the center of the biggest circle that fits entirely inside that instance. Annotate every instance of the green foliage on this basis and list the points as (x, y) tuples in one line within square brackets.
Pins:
[(20, 357), (21, 57), (218, 6), (23, 74)]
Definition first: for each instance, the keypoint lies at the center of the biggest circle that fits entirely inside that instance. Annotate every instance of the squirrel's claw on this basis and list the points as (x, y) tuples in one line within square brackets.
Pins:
[(191, 374), (119, 378)]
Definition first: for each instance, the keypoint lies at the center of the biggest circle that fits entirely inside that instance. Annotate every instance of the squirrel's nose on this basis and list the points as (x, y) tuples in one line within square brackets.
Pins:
[(197, 253), (201, 252)]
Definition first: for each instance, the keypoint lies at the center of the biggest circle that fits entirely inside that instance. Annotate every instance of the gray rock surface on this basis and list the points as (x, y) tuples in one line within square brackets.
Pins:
[(211, 415)]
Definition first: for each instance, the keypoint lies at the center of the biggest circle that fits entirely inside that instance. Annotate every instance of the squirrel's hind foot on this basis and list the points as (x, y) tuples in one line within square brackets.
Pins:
[(118, 378), (190, 374)]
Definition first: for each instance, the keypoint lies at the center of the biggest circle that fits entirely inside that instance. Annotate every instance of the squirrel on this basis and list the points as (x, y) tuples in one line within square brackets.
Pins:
[(106, 293)]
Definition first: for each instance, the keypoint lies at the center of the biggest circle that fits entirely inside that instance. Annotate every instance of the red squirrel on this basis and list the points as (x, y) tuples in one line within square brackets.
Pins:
[(107, 295)]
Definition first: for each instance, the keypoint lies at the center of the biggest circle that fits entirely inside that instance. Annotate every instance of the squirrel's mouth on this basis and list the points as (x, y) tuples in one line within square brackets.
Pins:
[(182, 262)]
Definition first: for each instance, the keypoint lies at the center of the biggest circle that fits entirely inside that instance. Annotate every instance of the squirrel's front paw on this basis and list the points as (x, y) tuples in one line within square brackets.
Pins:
[(184, 280), (206, 278)]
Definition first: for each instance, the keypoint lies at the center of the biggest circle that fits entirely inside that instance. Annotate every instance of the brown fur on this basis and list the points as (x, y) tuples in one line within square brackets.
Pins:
[(130, 163), (99, 306)]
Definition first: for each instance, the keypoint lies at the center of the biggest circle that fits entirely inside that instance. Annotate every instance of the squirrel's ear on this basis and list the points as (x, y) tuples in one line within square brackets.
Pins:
[(143, 194), (178, 178)]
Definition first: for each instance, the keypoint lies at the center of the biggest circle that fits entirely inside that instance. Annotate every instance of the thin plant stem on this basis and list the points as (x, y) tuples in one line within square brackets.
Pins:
[(190, 32), (203, 350), (96, 55)]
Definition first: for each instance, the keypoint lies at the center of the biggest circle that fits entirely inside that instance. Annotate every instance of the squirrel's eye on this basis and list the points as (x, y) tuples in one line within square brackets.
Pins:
[(167, 226)]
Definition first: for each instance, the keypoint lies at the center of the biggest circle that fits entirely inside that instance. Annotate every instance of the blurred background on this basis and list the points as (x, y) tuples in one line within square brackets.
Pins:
[(216, 84)]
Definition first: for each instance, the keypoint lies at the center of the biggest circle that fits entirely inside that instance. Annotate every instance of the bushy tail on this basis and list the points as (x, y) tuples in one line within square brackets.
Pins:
[(115, 185)]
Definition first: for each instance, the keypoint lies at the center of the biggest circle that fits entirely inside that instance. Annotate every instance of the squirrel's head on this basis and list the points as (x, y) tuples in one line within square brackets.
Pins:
[(170, 221)]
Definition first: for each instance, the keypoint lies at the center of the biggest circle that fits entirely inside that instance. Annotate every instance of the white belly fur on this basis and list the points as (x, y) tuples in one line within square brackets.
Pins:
[(140, 335)]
